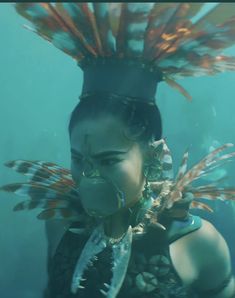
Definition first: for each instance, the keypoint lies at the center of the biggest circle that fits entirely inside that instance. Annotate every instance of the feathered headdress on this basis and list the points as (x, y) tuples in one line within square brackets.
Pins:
[(126, 48)]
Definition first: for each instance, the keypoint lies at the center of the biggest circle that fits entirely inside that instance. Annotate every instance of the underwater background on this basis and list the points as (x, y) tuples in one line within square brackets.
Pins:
[(39, 86)]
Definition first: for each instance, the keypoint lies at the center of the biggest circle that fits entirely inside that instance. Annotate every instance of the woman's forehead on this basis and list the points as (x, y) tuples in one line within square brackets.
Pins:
[(97, 135)]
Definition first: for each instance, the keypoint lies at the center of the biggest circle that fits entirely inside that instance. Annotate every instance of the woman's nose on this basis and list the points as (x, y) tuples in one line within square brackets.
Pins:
[(90, 170)]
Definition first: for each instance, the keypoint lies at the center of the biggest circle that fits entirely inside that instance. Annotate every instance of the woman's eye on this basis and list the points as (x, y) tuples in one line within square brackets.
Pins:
[(110, 161)]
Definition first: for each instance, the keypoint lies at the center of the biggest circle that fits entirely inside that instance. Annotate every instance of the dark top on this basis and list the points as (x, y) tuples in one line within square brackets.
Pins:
[(150, 271)]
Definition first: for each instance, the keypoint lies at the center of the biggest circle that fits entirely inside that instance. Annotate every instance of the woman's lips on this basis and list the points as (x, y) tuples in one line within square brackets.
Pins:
[(98, 196)]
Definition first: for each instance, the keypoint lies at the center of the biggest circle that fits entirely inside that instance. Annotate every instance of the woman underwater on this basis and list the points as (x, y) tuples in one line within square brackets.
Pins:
[(119, 223)]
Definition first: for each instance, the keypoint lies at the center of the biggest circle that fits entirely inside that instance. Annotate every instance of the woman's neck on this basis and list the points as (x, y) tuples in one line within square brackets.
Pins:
[(117, 224)]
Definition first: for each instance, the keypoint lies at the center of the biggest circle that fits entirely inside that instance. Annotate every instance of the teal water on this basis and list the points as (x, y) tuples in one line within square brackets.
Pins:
[(39, 86)]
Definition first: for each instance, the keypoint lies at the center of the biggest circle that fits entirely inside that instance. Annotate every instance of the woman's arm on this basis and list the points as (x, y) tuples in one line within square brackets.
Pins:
[(55, 229), (212, 258)]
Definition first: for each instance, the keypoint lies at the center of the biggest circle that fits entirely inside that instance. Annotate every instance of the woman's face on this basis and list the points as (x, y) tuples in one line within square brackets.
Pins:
[(106, 166)]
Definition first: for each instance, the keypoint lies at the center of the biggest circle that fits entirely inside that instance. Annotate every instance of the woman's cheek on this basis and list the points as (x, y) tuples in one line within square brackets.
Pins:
[(132, 172), (129, 179)]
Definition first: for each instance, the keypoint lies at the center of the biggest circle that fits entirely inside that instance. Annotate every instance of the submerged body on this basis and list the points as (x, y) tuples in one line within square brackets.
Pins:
[(193, 258), (188, 259), (162, 264)]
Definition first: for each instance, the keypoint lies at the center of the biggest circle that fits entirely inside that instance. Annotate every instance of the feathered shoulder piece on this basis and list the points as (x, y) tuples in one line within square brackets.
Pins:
[(51, 188), (171, 40)]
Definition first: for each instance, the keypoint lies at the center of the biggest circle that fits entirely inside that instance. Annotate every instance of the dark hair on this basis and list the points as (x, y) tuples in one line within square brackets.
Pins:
[(143, 120)]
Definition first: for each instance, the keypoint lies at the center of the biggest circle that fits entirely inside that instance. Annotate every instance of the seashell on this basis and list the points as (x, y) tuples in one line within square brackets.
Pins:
[(146, 282), (155, 259), (159, 265), (161, 259)]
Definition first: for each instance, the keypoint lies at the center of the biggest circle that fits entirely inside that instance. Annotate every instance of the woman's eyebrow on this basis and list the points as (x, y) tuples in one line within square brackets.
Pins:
[(108, 153), (75, 152), (101, 154)]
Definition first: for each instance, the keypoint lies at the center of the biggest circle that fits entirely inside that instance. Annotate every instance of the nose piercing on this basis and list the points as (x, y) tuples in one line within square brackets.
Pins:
[(91, 174), (88, 168)]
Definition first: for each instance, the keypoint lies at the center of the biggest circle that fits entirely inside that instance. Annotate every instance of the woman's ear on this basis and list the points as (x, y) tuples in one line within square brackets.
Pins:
[(152, 165), (152, 150)]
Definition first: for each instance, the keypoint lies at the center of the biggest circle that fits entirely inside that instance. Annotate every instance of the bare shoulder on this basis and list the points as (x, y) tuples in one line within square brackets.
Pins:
[(206, 238), (207, 254), (207, 246)]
